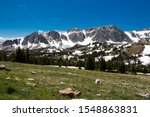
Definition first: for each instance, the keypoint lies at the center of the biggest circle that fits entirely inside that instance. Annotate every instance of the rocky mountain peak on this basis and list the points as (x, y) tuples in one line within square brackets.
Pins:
[(63, 39)]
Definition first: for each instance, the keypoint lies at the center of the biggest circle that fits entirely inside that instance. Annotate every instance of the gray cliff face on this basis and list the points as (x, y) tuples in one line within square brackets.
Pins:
[(107, 33), (77, 36), (54, 35), (11, 42), (34, 38)]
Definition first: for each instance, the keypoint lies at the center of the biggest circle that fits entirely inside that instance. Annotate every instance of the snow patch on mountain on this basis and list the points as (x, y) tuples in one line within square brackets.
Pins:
[(136, 36), (145, 59), (146, 50), (134, 39)]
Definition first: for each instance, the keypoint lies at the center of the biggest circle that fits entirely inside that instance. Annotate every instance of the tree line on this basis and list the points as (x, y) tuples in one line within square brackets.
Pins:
[(88, 61)]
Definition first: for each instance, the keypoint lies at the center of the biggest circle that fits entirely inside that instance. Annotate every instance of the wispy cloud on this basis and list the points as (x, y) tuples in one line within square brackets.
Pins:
[(40, 31), (9, 38), (22, 5)]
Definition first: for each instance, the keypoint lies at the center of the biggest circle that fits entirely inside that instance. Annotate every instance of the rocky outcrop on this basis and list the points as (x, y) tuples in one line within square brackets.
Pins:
[(34, 38), (54, 35), (11, 42), (107, 33)]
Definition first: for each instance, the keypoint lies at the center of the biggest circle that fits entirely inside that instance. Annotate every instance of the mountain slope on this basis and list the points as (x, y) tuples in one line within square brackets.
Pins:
[(66, 39), (139, 35)]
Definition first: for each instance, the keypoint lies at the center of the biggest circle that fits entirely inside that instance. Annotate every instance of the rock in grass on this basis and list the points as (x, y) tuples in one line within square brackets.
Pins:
[(69, 92), (8, 78), (30, 79), (2, 67), (17, 79), (62, 83), (143, 94), (98, 81), (8, 69), (30, 84), (98, 95), (33, 72)]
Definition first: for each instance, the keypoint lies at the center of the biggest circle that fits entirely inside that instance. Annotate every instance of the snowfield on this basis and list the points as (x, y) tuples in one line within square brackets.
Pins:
[(145, 59), (146, 50)]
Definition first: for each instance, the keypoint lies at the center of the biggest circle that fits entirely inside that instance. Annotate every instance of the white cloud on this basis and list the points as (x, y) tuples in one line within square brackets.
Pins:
[(40, 31), (8, 38)]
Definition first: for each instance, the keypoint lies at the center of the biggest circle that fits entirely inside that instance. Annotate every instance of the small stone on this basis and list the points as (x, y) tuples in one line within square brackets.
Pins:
[(31, 84), (145, 95), (17, 79), (2, 67), (98, 95), (62, 83), (33, 72), (64, 78), (8, 78), (30, 79), (98, 81), (8, 69)]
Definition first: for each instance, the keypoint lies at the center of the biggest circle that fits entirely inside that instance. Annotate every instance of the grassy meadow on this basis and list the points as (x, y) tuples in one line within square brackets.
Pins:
[(37, 82)]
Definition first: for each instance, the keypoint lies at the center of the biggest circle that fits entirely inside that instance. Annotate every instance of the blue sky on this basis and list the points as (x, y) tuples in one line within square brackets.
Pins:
[(21, 17)]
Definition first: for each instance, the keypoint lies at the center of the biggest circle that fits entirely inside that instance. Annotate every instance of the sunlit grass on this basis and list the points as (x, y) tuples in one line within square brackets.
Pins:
[(49, 80)]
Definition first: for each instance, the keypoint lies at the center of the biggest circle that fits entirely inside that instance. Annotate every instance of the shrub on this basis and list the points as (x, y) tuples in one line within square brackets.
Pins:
[(10, 90)]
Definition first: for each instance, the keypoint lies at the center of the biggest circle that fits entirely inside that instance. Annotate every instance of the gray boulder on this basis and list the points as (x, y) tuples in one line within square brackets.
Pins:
[(2, 67)]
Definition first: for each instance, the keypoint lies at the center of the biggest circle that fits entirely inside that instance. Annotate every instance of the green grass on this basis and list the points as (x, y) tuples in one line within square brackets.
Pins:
[(13, 84)]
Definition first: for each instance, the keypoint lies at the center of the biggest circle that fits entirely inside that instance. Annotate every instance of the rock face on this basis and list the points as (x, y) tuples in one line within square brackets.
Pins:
[(11, 42), (54, 35), (108, 33), (34, 38)]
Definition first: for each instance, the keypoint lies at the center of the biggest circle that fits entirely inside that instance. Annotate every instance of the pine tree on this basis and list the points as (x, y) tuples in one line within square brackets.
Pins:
[(12, 57), (20, 56), (27, 56), (1, 56), (109, 65), (60, 62), (102, 66), (90, 63), (80, 64), (145, 69), (122, 67)]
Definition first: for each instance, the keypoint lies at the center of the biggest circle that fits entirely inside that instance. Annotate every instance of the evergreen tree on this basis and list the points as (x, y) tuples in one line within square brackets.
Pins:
[(133, 69), (145, 69), (122, 68), (109, 65), (80, 64), (102, 66), (4, 55), (27, 56), (90, 63), (12, 57), (1, 56), (60, 62), (20, 56)]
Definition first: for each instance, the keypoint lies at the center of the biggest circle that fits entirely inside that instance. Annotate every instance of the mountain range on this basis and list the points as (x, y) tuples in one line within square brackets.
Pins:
[(67, 39)]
